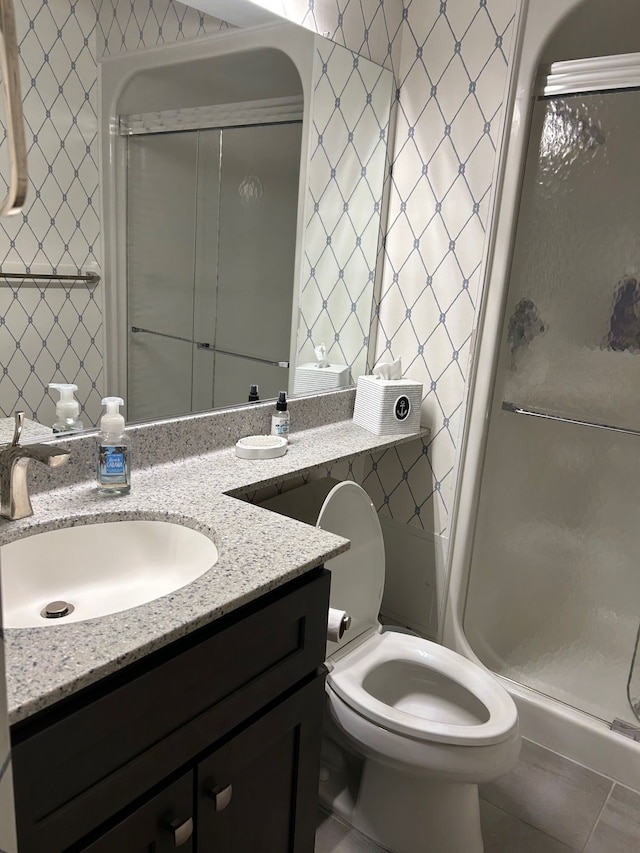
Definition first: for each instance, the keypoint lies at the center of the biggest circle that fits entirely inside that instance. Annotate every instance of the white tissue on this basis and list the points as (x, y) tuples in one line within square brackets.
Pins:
[(321, 355), (338, 622), (384, 370)]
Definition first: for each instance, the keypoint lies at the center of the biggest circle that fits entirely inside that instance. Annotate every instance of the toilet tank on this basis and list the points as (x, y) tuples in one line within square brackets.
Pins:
[(357, 576)]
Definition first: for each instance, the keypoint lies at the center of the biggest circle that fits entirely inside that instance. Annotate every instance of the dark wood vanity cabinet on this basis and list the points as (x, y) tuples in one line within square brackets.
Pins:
[(210, 745)]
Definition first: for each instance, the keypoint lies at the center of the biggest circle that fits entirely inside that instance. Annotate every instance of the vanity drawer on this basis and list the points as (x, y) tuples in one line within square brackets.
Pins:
[(84, 760)]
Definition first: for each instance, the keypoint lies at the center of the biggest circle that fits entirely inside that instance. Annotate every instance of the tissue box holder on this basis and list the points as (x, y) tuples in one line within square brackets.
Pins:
[(309, 378), (388, 406)]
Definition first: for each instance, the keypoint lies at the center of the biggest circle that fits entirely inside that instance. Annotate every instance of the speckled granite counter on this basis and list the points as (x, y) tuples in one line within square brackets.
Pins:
[(30, 429), (258, 551)]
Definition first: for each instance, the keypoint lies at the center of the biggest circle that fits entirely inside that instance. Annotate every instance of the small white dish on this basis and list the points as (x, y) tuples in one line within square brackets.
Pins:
[(261, 447)]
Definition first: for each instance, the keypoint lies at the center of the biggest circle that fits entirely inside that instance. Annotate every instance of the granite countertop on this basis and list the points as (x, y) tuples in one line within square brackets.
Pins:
[(258, 551), (30, 429)]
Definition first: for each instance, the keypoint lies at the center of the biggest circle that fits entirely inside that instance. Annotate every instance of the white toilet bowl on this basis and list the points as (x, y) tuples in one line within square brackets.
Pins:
[(417, 705), (412, 727)]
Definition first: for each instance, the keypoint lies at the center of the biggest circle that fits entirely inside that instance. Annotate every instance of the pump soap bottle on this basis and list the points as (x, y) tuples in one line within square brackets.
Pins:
[(114, 457), (67, 408), (281, 417)]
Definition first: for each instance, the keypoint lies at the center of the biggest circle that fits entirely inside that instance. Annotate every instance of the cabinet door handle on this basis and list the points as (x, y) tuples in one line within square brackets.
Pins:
[(182, 830), (221, 796), (18, 179)]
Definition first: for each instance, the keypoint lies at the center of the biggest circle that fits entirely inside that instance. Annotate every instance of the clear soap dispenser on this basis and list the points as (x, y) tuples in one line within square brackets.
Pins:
[(114, 457), (67, 408)]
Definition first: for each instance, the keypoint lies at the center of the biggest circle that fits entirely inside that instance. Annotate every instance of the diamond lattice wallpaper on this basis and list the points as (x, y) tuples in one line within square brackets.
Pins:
[(451, 61), (453, 73), (350, 115), (53, 332), (126, 25)]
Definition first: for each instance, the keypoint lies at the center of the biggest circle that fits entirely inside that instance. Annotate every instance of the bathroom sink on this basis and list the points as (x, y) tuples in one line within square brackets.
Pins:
[(97, 569)]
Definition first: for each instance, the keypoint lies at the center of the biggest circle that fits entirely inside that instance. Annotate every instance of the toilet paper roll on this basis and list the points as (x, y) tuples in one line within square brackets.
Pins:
[(338, 622)]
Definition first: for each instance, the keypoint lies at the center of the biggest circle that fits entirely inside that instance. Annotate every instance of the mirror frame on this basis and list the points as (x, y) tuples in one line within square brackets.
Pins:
[(114, 75)]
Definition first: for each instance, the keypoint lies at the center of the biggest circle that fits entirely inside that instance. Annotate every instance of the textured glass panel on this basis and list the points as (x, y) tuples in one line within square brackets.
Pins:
[(573, 330)]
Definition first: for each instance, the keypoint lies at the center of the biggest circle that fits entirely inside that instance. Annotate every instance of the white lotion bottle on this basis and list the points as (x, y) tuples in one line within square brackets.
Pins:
[(67, 408), (281, 417), (114, 452)]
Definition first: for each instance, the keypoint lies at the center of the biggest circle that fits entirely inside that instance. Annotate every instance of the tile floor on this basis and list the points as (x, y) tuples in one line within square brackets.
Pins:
[(502, 834), (546, 804)]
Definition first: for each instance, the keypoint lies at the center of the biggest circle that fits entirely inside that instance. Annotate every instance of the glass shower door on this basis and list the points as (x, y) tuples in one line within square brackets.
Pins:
[(554, 592)]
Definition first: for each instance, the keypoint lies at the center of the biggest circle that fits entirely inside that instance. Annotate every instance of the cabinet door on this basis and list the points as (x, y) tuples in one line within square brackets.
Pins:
[(258, 792), (163, 824)]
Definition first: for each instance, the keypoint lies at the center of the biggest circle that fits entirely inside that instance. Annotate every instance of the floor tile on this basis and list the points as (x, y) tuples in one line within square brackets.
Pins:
[(503, 833), (545, 790), (334, 836), (618, 830)]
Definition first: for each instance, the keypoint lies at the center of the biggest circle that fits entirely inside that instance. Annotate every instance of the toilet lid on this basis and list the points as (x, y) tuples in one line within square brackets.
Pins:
[(357, 576)]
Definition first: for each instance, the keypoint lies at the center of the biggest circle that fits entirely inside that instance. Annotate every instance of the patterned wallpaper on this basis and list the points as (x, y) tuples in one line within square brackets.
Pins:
[(126, 25), (453, 70), (350, 115), (50, 332)]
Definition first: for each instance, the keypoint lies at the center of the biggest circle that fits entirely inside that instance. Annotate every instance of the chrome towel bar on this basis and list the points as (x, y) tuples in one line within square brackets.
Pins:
[(90, 278), (518, 410)]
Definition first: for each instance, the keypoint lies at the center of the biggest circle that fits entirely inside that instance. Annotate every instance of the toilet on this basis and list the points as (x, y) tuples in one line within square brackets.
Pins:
[(411, 727)]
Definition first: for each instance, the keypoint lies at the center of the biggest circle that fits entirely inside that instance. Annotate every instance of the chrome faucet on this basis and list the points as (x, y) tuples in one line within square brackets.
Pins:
[(14, 459)]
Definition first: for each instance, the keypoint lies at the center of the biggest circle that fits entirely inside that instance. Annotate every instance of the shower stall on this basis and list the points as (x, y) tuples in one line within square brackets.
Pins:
[(545, 587)]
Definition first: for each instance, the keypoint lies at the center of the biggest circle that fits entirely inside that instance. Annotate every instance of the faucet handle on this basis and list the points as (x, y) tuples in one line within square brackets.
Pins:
[(17, 429)]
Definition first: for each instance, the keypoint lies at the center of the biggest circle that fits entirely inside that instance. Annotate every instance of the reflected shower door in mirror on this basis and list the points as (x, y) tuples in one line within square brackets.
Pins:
[(205, 296), (245, 196)]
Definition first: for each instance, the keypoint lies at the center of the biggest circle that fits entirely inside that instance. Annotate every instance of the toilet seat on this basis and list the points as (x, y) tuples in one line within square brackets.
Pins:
[(352, 678)]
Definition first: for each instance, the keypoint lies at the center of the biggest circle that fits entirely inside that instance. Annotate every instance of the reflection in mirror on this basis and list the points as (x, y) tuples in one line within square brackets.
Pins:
[(185, 253)]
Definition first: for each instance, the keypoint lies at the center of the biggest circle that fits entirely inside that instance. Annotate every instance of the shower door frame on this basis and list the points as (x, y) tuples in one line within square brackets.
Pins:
[(548, 722)]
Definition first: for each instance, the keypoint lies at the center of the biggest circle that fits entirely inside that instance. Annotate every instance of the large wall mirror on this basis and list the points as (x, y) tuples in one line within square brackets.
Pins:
[(226, 189)]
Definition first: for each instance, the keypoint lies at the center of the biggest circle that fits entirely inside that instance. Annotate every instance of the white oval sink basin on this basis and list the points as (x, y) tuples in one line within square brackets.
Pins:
[(98, 569)]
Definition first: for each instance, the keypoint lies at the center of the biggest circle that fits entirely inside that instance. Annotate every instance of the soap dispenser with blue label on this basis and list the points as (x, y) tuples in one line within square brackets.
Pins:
[(114, 458)]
